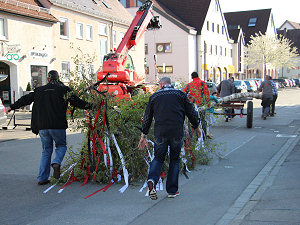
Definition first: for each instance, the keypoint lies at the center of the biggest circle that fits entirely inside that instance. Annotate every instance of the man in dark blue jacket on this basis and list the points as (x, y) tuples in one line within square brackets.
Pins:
[(50, 103), (168, 106)]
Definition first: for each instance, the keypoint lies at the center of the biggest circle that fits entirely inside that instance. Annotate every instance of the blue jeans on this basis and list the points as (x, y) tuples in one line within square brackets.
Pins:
[(160, 151), (47, 138)]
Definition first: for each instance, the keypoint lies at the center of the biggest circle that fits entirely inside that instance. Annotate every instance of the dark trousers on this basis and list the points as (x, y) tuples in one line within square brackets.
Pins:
[(160, 150), (273, 104), (266, 102)]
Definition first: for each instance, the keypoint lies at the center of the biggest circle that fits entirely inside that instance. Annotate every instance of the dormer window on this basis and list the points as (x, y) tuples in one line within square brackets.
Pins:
[(252, 22)]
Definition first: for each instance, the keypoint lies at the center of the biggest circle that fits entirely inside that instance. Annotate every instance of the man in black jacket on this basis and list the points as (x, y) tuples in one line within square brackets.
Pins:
[(50, 103), (168, 106)]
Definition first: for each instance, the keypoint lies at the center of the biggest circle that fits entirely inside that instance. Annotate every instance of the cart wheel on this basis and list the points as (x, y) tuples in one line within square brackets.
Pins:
[(249, 114)]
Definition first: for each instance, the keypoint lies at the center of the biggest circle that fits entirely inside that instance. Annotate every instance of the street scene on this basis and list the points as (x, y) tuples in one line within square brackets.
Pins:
[(149, 112), (252, 180)]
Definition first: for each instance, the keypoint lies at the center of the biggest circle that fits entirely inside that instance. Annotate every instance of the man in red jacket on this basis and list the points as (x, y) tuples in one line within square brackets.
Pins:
[(199, 94)]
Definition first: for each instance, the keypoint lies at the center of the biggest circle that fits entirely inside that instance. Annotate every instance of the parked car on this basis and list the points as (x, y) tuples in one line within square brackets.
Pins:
[(3, 116), (212, 87), (282, 82), (297, 82), (251, 85), (240, 86)]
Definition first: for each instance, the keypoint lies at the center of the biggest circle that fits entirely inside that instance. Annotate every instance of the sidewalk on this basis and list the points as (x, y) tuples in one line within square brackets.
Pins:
[(280, 203)]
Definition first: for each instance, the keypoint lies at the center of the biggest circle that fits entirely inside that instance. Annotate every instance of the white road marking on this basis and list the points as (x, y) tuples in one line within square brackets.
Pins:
[(245, 142)]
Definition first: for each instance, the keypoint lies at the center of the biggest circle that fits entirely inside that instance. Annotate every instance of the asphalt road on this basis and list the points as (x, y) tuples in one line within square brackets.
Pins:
[(215, 194)]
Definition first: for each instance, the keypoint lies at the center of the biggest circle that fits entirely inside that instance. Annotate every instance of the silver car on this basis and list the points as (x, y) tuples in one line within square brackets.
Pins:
[(212, 87), (3, 116)]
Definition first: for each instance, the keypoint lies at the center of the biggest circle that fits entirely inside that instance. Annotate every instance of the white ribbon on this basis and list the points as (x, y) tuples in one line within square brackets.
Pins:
[(52, 186), (183, 159), (125, 171), (106, 143)]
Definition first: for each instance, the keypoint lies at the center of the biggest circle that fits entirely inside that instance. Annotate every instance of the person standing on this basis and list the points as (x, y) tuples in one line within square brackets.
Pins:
[(267, 96), (226, 88), (49, 121), (275, 95), (199, 94), (168, 106)]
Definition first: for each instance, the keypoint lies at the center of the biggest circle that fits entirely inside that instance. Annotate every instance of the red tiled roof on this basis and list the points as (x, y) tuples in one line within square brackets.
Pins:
[(29, 8)]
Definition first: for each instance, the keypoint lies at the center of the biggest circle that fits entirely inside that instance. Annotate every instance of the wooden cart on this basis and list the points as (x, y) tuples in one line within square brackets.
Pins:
[(238, 105)]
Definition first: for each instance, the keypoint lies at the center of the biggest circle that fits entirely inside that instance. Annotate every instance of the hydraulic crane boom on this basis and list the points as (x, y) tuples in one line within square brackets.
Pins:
[(114, 63)]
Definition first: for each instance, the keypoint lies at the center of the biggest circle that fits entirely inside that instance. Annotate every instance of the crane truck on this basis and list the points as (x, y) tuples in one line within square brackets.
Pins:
[(124, 82)]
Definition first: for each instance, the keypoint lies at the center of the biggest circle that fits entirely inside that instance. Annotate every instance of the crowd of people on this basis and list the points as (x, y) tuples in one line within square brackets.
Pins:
[(168, 107)]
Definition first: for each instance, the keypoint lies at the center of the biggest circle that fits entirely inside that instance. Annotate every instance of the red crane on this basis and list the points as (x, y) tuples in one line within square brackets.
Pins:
[(122, 82)]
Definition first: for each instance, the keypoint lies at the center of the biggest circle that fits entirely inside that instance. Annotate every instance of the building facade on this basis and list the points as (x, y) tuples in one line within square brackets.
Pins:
[(38, 36), (26, 46)]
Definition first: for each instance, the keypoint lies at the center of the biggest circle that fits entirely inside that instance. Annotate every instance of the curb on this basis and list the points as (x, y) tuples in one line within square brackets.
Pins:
[(254, 191)]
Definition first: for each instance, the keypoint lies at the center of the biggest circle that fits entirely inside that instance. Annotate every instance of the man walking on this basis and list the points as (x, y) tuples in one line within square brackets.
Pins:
[(199, 94), (168, 106), (49, 121), (226, 88), (267, 96), (275, 95)]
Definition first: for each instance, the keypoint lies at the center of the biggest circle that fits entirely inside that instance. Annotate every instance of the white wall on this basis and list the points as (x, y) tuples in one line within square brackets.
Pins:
[(214, 39), (180, 58)]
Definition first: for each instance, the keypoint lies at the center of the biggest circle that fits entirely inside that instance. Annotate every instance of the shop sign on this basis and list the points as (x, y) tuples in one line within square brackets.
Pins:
[(5, 95), (12, 56), (13, 48), (38, 54)]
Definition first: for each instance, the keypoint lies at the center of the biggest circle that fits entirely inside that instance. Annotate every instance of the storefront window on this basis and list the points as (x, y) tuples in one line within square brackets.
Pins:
[(38, 76)]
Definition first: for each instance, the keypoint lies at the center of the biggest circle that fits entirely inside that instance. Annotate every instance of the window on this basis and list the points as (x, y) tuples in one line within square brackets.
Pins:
[(79, 30), (207, 25), (80, 70), (216, 49), (222, 29), (213, 27), (114, 33), (231, 53), (163, 47), (103, 49), (122, 34), (102, 29), (38, 75), (65, 70), (3, 33), (252, 22), (205, 47), (89, 32), (90, 71), (221, 50), (218, 28), (147, 70), (64, 28), (146, 49), (225, 51), (165, 69), (211, 49)]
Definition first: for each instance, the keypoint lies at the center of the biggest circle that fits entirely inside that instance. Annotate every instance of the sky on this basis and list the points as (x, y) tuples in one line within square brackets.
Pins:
[(282, 10)]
